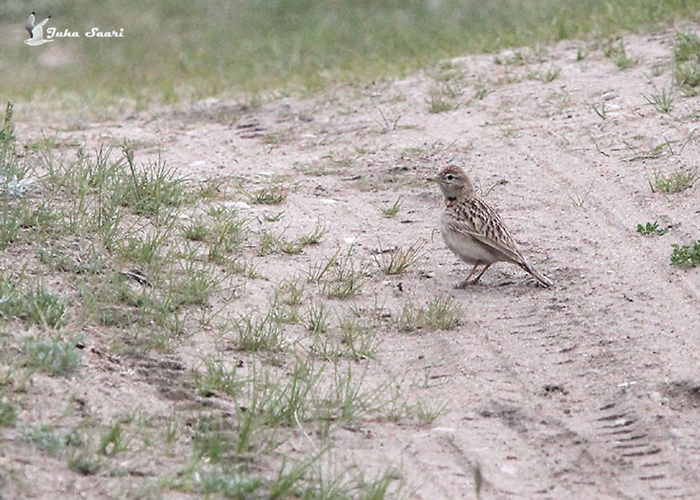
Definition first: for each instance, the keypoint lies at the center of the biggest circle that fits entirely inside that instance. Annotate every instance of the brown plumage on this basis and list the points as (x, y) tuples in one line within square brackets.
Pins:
[(473, 230)]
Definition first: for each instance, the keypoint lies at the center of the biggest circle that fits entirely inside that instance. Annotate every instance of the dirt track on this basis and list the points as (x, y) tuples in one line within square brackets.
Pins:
[(590, 389)]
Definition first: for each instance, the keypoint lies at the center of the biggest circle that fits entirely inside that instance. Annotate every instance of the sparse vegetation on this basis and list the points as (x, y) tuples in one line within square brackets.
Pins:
[(480, 92), (55, 357), (46, 439), (686, 255), (398, 260), (662, 101), (651, 228), (36, 305), (8, 414), (259, 332), (686, 54), (390, 211), (271, 242), (443, 98), (385, 122), (616, 52), (600, 110), (340, 275), (272, 194), (675, 182), (441, 313), (547, 75)]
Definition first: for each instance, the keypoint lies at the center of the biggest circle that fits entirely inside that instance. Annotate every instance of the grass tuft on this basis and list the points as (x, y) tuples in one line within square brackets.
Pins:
[(8, 414), (153, 188), (52, 356), (397, 260), (273, 194), (230, 484), (662, 101), (259, 333), (616, 52), (217, 377), (340, 275), (390, 211), (686, 54), (46, 439), (441, 313), (675, 182), (686, 255)]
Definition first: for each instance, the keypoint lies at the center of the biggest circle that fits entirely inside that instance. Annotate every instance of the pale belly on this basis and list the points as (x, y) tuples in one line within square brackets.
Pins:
[(465, 246)]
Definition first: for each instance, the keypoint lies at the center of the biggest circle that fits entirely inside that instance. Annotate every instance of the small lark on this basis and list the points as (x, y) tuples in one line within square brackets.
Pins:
[(473, 230)]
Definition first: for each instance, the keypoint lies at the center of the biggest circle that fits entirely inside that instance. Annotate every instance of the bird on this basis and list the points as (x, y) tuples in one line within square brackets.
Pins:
[(36, 33), (473, 230)]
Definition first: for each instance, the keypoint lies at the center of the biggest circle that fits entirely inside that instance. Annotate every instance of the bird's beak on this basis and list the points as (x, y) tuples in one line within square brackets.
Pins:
[(431, 178)]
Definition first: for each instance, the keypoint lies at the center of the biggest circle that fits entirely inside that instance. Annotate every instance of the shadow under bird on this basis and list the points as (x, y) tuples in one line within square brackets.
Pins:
[(473, 230)]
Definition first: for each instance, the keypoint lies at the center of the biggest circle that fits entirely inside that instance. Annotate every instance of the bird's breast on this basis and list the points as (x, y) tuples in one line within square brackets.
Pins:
[(464, 245)]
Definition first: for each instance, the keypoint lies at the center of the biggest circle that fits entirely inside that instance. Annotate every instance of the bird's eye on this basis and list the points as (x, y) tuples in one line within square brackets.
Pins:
[(449, 177)]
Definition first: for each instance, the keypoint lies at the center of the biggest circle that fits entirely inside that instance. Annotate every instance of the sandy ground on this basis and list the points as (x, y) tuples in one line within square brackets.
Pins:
[(589, 389)]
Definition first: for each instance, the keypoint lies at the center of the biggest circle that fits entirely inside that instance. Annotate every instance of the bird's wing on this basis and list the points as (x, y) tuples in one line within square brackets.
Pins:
[(491, 244), (38, 32), (42, 23), (482, 222), (29, 25)]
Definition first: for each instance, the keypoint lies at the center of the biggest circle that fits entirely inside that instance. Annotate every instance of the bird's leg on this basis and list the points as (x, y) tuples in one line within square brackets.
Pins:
[(476, 280), (465, 282)]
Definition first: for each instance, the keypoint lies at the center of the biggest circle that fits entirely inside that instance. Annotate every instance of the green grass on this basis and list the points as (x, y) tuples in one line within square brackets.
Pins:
[(686, 55), (443, 98), (230, 484), (545, 76), (600, 111), (46, 439), (7, 133), (8, 414), (616, 52), (441, 313), (397, 260), (339, 276), (686, 255), (144, 263), (280, 43), (317, 318), (271, 242), (52, 356), (428, 412), (34, 304), (662, 101), (651, 228), (675, 182), (226, 235), (114, 440), (217, 377), (390, 211), (271, 194), (258, 332)]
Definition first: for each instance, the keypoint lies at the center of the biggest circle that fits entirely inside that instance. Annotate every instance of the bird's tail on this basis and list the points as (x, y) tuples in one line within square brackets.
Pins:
[(546, 282)]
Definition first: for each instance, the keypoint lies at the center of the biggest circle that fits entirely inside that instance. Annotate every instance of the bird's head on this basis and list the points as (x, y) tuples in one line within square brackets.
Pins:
[(454, 183)]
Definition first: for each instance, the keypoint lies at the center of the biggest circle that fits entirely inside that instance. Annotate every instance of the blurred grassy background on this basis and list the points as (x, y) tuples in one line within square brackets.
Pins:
[(182, 49)]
